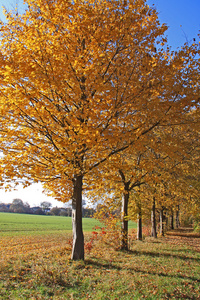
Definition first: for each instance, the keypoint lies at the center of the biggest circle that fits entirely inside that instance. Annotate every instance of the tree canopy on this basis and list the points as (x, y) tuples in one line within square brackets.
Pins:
[(82, 81)]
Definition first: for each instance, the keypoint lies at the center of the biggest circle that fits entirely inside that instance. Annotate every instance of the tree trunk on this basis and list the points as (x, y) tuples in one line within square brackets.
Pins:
[(161, 223), (139, 224), (125, 198), (172, 220), (177, 217), (153, 219), (78, 238), (167, 220)]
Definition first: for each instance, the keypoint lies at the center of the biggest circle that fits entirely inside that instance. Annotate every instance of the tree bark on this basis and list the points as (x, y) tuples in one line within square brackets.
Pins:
[(78, 238), (172, 220), (153, 219), (177, 217), (139, 224), (167, 220), (161, 223), (125, 198)]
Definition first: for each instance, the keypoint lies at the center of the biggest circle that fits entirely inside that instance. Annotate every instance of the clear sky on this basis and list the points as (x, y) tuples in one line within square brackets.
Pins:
[(32, 194), (183, 19)]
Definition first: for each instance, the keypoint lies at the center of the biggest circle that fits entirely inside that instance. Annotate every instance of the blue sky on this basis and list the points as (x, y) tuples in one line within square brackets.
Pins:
[(183, 19)]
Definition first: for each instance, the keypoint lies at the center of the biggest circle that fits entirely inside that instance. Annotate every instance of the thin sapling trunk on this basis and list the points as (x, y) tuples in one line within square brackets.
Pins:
[(139, 224), (78, 238), (125, 198), (153, 219)]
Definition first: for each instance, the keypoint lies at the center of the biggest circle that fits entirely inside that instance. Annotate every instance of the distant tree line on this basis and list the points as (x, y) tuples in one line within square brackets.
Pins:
[(45, 208)]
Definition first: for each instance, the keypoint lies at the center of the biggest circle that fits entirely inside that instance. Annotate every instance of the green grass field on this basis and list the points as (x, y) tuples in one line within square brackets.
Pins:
[(38, 266), (20, 224)]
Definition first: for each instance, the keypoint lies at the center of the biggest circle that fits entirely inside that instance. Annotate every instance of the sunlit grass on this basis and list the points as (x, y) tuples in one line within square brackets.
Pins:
[(22, 224), (39, 267)]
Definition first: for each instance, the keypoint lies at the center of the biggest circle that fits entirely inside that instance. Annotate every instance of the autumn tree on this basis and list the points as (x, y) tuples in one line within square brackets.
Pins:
[(118, 179), (176, 158), (172, 154), (80, 82)]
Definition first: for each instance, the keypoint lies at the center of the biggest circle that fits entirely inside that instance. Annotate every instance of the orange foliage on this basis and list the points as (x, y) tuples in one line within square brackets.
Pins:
[(82, 81)]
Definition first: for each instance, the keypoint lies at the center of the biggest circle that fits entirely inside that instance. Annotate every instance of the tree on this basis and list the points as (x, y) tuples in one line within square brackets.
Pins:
[(55, 211), (117, 184), (18, 206), (131, 175), (82, 81), (4, 207), (38, 211), (45, 206)]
